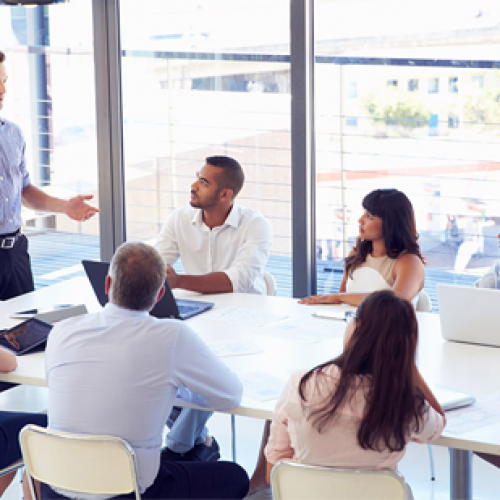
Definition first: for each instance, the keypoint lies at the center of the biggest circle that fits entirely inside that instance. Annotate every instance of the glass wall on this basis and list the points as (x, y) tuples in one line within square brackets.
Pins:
[(413, 105), (203, 79), (50, 95)]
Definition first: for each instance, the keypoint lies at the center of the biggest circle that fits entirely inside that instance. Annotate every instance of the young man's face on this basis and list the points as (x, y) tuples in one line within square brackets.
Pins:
[(3, 81), (205, 190)]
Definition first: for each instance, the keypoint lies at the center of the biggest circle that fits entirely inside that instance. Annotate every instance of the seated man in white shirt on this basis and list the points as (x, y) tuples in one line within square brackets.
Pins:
[(118, 372), (223, 248)]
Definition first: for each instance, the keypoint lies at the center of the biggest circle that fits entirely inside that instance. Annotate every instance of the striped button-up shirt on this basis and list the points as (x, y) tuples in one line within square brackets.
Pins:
[(14, 176)]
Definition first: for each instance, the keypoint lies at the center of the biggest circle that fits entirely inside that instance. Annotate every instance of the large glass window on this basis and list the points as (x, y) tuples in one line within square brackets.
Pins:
[(437, 147), (202, 79), (50, 95)]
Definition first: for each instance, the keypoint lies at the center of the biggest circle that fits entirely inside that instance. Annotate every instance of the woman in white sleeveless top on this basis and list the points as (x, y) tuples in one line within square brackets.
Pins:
[(386, 255)]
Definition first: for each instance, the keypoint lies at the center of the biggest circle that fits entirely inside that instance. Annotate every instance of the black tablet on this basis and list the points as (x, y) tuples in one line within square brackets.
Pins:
[(26, 337)]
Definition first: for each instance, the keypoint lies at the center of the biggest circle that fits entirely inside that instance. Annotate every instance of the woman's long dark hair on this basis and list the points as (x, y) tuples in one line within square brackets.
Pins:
[(398, 227), (381, 350)]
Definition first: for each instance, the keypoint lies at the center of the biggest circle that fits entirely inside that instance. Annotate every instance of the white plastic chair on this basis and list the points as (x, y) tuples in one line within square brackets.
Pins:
[(295, 481), (79, 462), (270, 283), (271, 289), (424, 303)]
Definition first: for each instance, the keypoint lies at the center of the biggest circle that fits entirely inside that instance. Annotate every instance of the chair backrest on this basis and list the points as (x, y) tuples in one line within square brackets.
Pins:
[(424, 303), (79, 462), (270, 283), (296, 481)]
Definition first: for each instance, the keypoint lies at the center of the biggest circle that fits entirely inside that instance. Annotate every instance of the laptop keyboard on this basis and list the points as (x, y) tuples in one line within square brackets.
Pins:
[(183, 309)]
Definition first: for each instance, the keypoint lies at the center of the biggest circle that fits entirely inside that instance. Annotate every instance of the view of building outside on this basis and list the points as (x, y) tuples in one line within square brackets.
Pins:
[(412, 104), (203, 79)]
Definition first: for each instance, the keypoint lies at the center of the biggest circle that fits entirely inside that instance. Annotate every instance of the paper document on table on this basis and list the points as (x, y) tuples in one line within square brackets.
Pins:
[(303, 334), (235, 348), (486, 411), (245, 316), (262, 386)]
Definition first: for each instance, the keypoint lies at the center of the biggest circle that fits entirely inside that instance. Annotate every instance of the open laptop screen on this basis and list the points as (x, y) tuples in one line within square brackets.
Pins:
[(167, 307)]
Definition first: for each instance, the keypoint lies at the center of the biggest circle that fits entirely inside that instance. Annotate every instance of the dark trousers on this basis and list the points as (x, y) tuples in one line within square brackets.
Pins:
[(11, 424), (15, 270), (201, 480)]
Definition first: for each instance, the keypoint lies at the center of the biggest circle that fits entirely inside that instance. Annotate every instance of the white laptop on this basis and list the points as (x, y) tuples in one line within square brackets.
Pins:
[(52, 314), (451, 399), (469, 314)]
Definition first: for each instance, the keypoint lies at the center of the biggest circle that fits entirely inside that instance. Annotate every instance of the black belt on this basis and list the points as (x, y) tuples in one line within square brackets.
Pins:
[(7, 241)]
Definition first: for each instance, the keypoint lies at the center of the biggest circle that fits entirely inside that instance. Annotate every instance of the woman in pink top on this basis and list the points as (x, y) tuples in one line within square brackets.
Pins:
[(360, 409)]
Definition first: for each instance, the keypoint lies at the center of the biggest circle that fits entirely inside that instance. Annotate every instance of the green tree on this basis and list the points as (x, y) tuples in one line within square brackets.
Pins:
[(483, 106), (397, 108)]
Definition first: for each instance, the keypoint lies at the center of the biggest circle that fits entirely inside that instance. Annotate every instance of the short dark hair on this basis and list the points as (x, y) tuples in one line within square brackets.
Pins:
[(137, 273), (232, 177), (2, 57)]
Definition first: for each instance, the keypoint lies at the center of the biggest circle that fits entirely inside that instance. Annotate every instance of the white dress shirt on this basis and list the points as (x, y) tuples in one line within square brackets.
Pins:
[(239, 248), (117, 372)]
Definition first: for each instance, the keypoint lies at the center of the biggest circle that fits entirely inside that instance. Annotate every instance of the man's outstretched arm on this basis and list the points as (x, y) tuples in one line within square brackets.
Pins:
[(75, 207)]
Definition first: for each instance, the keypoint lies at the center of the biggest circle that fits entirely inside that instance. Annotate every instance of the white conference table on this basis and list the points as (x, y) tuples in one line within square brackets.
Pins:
[(468, 368)]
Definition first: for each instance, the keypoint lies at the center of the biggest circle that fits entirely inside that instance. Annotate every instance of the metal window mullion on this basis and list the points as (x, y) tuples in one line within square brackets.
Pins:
[(109, 124), (303, 147)]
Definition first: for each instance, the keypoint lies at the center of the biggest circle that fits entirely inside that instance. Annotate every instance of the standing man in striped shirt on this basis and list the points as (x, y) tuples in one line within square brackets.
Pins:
[(15, 189)]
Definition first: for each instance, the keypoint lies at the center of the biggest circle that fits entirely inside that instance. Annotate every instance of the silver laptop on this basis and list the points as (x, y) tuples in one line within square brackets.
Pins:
[(469, 314), (451, 399), (52, 314)]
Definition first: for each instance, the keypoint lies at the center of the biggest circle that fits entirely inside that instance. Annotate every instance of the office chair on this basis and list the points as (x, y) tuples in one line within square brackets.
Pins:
[(424, 303), (295, 481), (79, 462)]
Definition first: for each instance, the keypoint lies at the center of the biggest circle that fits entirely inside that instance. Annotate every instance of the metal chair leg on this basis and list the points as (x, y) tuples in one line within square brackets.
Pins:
[(431, 460), (233, 437)]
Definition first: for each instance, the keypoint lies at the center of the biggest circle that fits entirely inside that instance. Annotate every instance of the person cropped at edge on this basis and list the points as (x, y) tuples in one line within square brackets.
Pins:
[(118, 372), (15, 189), (11, 424), (491, 279), (223, 248), (331, 415), (386, 254)]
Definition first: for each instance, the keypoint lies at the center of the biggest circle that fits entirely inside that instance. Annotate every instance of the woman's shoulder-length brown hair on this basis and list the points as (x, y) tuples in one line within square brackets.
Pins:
[(381, 350)]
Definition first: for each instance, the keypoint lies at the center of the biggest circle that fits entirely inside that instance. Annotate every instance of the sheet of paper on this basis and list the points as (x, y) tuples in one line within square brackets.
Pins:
[(486, 411), (303, 334), (245, 316), (262, 386), (235, 348)]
